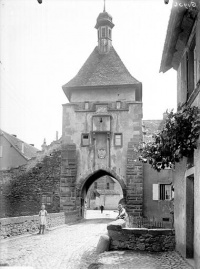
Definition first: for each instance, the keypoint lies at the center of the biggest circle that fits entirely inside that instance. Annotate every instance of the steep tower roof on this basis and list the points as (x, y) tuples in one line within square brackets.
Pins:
[(104, 66)]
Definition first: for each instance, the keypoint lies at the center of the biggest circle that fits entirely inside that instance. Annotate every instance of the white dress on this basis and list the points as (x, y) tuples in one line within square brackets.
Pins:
[(43, 219)]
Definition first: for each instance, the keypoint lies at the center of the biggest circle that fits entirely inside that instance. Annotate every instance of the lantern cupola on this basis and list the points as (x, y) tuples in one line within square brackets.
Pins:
[(104, 27)]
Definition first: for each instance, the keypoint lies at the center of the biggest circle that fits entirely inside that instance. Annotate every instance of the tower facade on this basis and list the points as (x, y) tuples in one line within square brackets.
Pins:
[(102, 126)]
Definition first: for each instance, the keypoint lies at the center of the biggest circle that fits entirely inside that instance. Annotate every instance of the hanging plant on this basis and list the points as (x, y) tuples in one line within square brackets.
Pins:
[(177, 138)]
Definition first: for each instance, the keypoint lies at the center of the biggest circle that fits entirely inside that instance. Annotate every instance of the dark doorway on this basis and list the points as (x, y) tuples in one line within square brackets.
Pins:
[(190, 216)]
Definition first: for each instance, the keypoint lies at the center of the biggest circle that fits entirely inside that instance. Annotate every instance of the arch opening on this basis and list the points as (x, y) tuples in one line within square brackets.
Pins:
[(101, 188)]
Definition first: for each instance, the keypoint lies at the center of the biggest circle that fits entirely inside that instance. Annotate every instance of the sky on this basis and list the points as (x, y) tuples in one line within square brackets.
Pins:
[(43, 46)]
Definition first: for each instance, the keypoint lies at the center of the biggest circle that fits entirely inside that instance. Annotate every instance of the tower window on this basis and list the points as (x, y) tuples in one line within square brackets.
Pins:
[(86, 105), (118, 104), (103, 32), (109, 33), (85, 140), (95, 185), (118, 140), (108, 186)]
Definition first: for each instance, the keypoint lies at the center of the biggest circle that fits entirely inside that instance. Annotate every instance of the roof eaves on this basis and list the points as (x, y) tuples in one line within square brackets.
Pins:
[(172, 34), (100, 86)]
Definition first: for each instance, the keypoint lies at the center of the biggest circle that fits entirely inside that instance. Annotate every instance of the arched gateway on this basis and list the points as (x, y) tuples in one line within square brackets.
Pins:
[(85, 183), (102, 126)]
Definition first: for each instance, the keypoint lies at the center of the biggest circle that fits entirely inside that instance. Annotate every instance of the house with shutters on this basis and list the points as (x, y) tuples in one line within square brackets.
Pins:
[(158, 192), (14, 152), (182, 53)]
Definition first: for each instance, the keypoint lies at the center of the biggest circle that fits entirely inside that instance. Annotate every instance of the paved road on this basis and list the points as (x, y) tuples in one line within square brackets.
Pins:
[(73, 247)]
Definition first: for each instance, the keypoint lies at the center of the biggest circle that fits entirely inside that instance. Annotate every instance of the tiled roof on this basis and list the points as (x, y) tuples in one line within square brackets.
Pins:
[(107, 192), (102, 70), (29, 151)]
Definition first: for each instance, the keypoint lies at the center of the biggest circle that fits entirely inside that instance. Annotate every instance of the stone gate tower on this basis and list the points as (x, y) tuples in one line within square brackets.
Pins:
[(102, 126)]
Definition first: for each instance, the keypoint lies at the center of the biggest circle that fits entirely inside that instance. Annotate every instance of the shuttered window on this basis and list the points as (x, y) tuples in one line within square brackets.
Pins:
[(162, 192)]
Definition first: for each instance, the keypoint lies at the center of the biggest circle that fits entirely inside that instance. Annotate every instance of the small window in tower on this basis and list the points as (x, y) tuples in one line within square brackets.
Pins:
[(103, 32), (86, 105), (95, 185), (118, 104), (118, 140), (108, 186), (101, 120), (109, 33), (85, 140)]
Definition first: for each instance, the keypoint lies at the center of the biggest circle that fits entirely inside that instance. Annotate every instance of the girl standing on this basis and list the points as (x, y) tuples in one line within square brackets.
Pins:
[(43, 219)]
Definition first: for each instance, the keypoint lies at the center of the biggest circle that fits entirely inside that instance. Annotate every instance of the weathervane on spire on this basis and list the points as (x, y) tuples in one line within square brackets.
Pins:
[(104, 7)]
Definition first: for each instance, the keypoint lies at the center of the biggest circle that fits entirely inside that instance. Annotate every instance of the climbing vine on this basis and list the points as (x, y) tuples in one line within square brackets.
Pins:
[(177, 138)]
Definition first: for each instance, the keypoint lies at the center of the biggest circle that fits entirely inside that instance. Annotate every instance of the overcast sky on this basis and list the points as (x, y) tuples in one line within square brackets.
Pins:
[(44, 46)]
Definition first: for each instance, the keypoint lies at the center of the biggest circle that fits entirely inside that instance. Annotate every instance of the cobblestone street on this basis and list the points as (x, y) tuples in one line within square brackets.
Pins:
[(73, 247)]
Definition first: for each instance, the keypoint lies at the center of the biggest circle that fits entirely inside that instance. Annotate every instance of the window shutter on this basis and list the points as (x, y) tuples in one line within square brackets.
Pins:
[(155, 191)]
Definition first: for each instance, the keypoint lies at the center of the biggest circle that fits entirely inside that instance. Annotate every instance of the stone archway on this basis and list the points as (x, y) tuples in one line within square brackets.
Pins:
[(84, 184)]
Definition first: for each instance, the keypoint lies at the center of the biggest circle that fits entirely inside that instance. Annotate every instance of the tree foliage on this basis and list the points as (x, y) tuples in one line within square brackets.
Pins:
[(177, 138)]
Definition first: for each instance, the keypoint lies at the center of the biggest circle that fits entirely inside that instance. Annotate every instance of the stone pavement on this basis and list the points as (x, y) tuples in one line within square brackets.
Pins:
[(73, 247), (139, 260)]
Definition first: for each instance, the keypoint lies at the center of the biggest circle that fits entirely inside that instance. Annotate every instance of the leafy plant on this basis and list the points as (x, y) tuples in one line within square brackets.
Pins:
[(177, 138)]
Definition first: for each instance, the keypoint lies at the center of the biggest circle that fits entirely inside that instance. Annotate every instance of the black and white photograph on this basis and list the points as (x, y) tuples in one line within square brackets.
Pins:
[(100, 134)]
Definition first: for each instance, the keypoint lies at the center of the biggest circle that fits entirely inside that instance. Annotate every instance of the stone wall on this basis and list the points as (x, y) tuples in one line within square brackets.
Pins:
[(68, 200), (28, 224), (22, 188), (153, 240), (134, 177)]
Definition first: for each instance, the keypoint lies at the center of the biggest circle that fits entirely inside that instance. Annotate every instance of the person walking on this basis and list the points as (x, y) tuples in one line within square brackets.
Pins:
[(43, 219), (101, 208)]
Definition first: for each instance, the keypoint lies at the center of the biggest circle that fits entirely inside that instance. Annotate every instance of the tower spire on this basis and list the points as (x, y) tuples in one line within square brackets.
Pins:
[(104, 27)]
